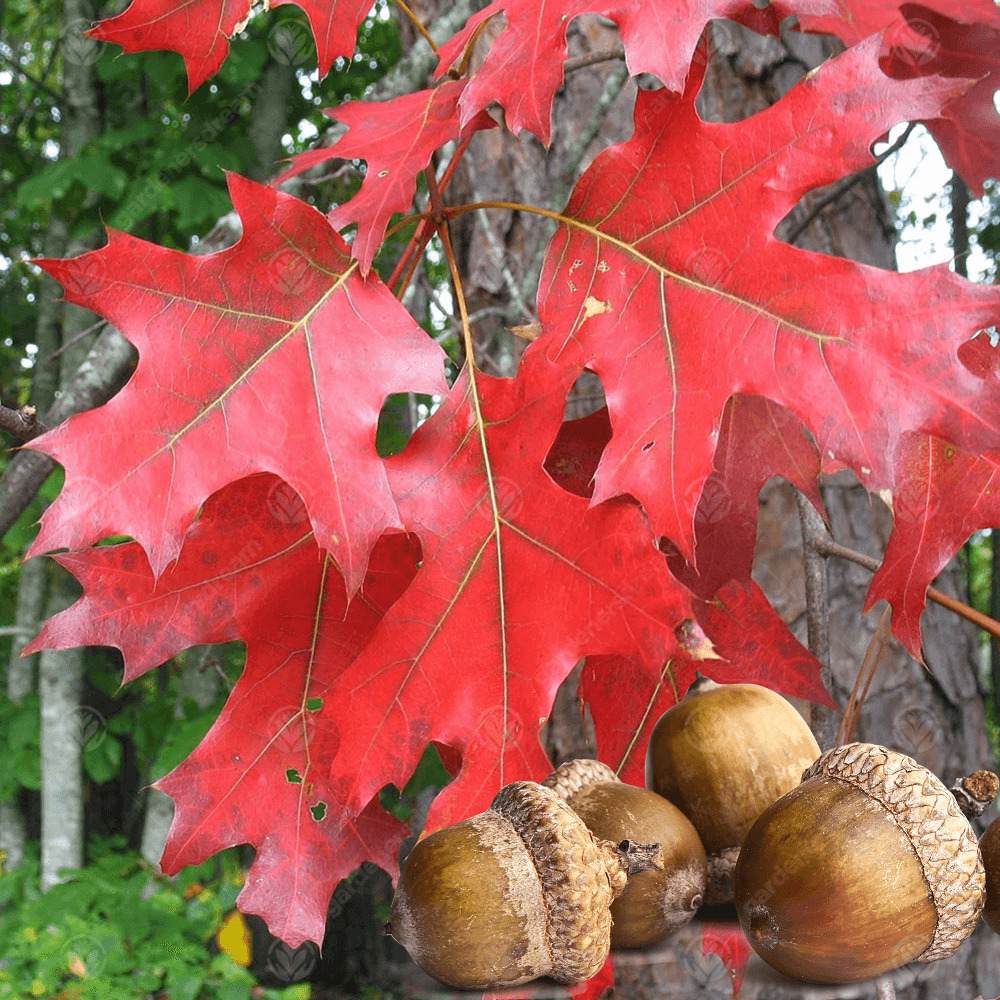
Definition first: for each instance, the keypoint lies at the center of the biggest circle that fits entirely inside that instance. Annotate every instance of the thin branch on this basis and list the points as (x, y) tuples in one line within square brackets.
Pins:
[(75, 339), (593, 58), (407, 264), (847, 185), (418, 24), (33, 80), (831, 548), (863, 681)]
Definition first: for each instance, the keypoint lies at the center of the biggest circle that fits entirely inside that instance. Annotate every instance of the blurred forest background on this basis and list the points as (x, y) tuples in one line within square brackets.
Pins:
[(90, 138)]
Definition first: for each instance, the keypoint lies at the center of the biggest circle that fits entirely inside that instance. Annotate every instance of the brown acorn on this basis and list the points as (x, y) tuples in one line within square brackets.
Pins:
[(868, 865), (520, 891), (654, 903), (722, 756)]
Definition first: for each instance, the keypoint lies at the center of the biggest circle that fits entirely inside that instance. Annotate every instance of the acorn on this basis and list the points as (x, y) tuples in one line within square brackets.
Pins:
[(520, 891), (722, 755), (868, 865), (654, 903)]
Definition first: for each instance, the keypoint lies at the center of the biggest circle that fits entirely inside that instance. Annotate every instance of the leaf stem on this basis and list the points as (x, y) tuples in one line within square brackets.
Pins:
[(418, 24), (407, 264)]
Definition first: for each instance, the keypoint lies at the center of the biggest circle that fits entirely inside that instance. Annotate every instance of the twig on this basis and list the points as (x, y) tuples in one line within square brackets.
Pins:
[(863, 682), (829, 547), (592, 58), (22, 423), (817, 613), (418, 24), (407, 264), (34, 81), (75, 339), (841, 189)]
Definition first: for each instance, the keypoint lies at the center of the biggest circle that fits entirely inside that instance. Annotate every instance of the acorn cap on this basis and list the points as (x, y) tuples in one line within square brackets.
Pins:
[(580, 875), (928, 814), (574, 776)]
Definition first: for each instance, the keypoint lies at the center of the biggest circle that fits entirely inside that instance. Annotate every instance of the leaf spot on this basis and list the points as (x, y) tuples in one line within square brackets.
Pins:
[(594, 307), (384, 172)]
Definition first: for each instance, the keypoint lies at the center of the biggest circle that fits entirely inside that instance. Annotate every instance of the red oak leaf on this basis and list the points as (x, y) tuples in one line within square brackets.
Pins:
[(271, 356), (957, 38), (519, 580), (199, 30), (757, 440), (397, 139), (665, 278), (524, 68), (250, 569), (947, 494)]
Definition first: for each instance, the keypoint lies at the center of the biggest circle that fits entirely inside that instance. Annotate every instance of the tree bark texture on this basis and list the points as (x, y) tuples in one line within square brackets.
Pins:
[(67, 726)]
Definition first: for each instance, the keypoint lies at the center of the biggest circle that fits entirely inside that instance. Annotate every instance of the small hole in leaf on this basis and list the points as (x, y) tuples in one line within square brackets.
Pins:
[(318, 811), (648, 445), (314, 704), (293, 777)]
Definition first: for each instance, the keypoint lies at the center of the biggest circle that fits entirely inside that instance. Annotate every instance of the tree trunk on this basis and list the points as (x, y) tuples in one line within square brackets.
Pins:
[(66, 725), (66, 728), (201, 685)]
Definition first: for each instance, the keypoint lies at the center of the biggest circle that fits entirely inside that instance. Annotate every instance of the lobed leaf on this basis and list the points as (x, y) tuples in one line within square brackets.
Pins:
[(271, 356)]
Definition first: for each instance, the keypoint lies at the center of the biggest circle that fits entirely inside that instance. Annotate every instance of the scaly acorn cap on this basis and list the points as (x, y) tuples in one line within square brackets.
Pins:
[(940, 835), (580, 875), (574, 776)]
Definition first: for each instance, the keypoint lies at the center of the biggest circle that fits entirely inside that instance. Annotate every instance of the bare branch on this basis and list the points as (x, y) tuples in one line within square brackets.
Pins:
[(21, 423)]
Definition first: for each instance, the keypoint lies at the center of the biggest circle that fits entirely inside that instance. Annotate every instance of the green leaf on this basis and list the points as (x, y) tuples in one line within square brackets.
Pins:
[(102, 758)]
